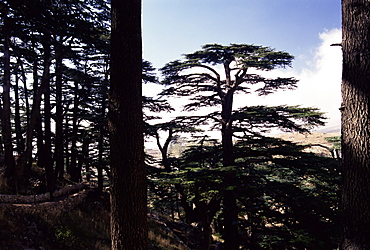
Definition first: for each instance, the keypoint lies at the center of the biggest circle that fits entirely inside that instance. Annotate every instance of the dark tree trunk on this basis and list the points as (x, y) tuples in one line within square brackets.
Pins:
[(73, 167), (66, 144), (164, 149), (44, 147), (47, 151), (10, 171), (59, 145), (17, 113), (39, 131), (1, 120), (100, 157), (205, 219), (25, 90), (100, 160), (230, 208), (102, 129), (85, 153), (125, 119), (34, 121), (84, 157), (36, 116), (356, 125)]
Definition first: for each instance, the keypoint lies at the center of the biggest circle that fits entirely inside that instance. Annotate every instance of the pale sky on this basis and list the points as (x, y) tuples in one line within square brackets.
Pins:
[(303, 28)]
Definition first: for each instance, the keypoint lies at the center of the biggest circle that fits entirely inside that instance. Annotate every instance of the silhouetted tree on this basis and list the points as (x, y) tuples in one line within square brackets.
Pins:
[(196, 77)]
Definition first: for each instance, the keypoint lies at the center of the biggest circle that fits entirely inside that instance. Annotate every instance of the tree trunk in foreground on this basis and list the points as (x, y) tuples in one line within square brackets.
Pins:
[(125, 121), (355, 125)]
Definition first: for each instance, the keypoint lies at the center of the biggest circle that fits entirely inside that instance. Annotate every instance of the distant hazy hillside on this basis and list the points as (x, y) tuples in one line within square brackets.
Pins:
[(311, 138), (314, 138)]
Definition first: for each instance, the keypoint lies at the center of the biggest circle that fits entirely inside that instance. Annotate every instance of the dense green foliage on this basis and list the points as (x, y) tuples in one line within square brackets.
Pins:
[(286, 197)]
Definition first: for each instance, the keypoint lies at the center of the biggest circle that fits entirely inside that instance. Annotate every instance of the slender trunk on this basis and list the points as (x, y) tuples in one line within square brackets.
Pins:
[(164, 149), (37, 98), (355, 202), (38, 125), (59, 161), (1, 138), (44, 137), (26, 168), (67, 144), (129, 229), (85, 157), (102, 129), (34, 121), (100, 159), (47, 150), (1, 123), (10, 171), (17, 114), (25, 90), (73, 167)]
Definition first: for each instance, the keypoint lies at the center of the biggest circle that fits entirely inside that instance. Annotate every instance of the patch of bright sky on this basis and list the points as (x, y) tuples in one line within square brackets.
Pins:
[(174, 27), (303, 28)]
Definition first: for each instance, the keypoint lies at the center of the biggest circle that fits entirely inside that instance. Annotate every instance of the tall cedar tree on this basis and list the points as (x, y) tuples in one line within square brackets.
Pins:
[(356, 124), (125, 121), (206, 89)]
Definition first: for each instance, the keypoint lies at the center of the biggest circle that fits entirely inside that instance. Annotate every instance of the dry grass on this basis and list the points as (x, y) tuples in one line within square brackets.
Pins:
[(162, 238)]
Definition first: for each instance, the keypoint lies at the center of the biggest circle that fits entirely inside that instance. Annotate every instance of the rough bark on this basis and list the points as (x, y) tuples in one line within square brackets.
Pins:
[(355, 124), (125, 121)]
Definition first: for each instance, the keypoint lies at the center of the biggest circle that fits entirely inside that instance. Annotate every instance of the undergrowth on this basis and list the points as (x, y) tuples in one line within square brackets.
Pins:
[(85, 227)]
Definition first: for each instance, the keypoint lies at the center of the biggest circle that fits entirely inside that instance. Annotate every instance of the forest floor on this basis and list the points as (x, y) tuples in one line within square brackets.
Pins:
[(79, 221), (72, 221)]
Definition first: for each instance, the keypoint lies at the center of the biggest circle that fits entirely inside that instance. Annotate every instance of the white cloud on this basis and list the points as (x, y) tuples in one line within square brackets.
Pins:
[(319, 82)]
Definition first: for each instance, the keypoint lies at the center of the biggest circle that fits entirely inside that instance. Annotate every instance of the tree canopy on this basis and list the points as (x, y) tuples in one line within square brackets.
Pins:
[(211, 77)]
